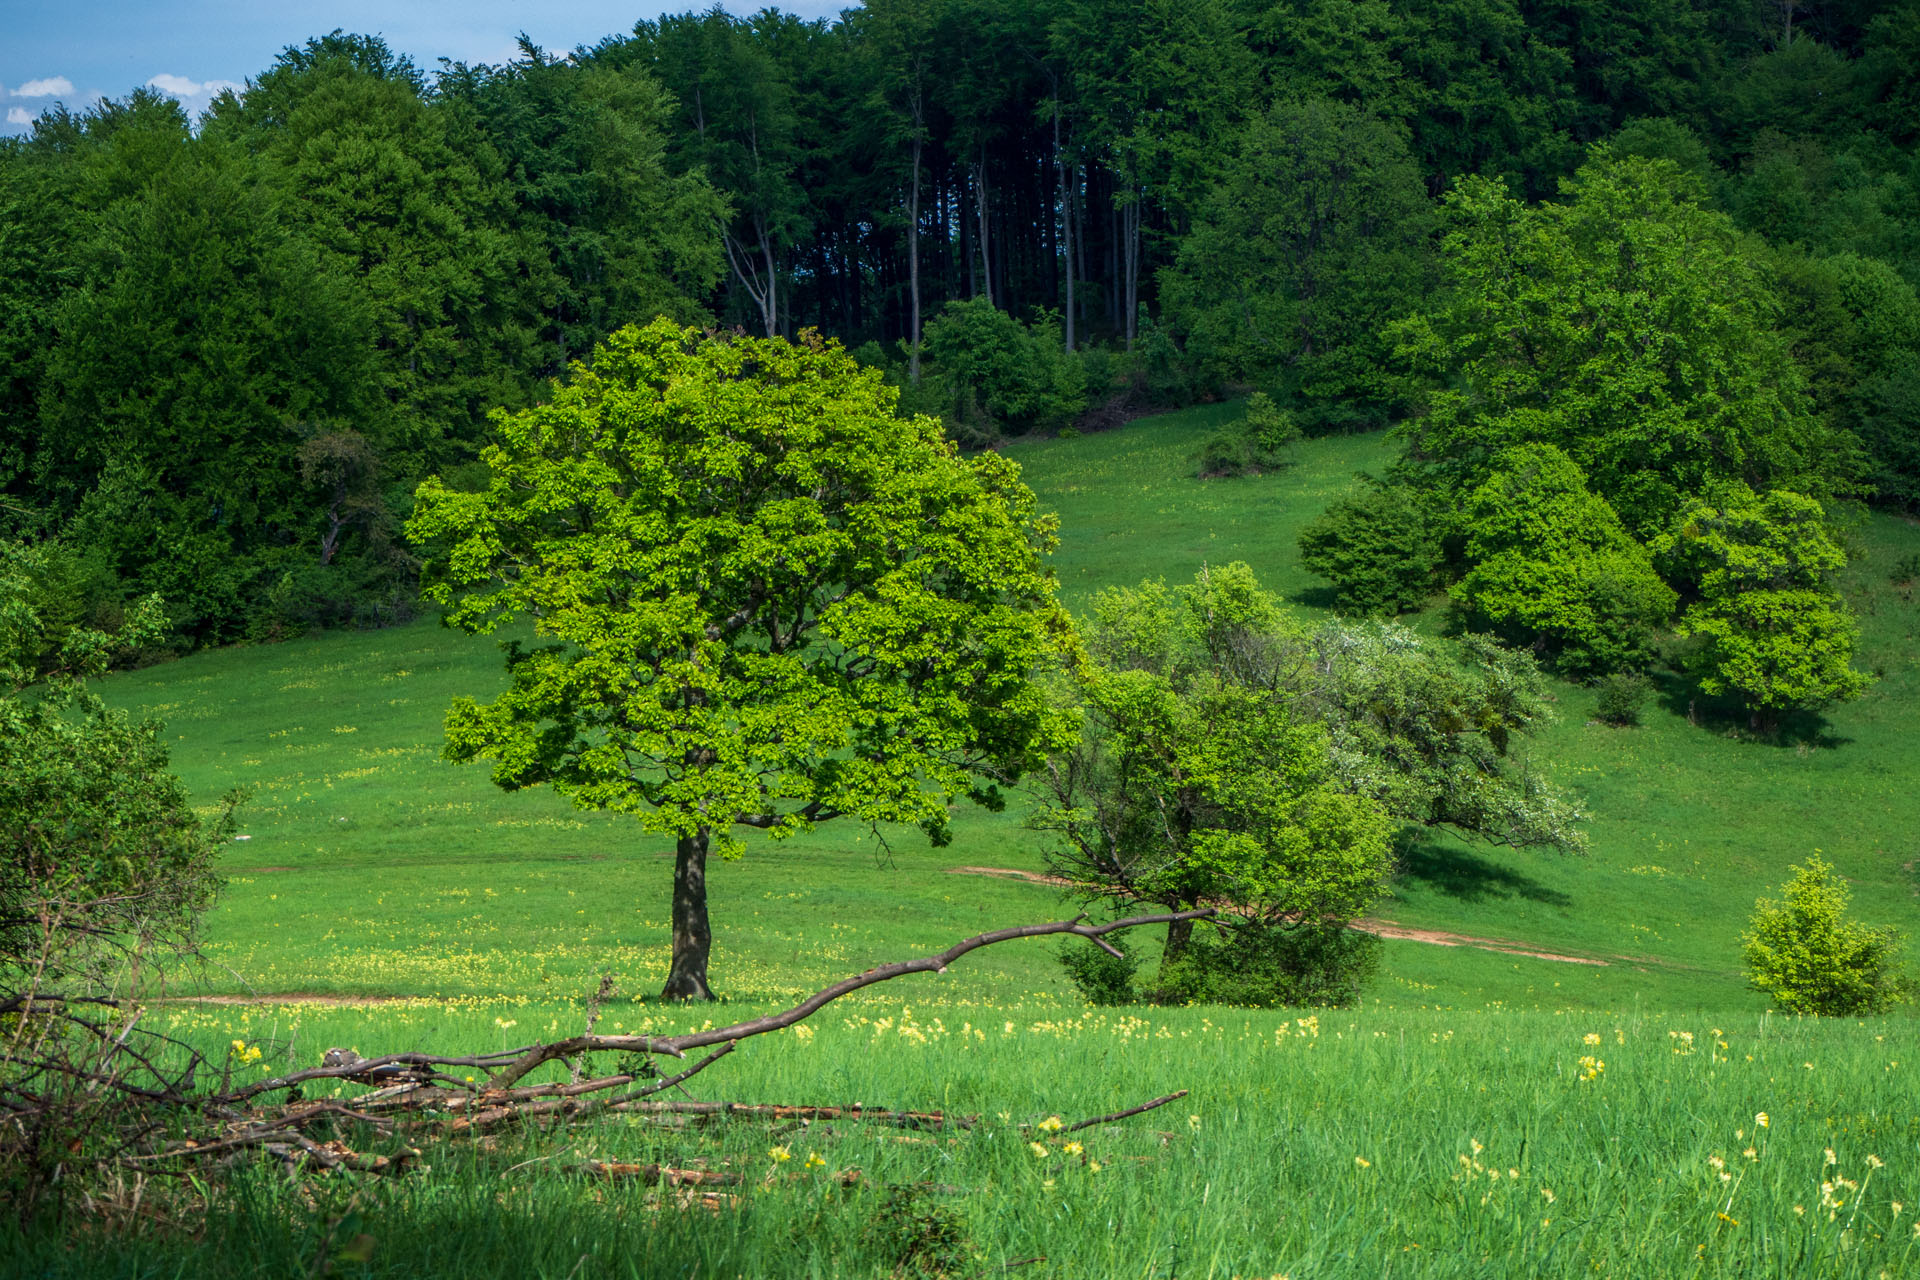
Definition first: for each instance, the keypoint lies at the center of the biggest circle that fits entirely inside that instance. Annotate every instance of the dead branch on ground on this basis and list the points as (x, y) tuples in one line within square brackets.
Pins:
[(422, 1095)]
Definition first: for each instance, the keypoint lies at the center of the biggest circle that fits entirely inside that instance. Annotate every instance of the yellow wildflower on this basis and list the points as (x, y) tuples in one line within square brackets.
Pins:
[(1073, 1148), (1050, 1125), (1094, 1166), (1760, 1118), (1039, 1152), (1547, 1194), (1363, 1162), (1591, 1038), (1874, 1162), (815, 1161), (1832, 1158), (779, 1155), (1193, 1122)]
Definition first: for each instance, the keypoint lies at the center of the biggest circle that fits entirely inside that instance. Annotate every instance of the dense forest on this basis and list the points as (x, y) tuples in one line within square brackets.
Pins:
[(231, 348)]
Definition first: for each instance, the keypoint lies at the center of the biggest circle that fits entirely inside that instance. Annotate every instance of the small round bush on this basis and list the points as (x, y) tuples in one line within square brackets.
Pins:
[(1103, 979), (1806, 955), (1621, 698)]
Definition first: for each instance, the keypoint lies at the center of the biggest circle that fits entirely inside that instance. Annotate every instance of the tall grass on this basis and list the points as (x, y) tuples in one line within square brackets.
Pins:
[(1367, 1144)]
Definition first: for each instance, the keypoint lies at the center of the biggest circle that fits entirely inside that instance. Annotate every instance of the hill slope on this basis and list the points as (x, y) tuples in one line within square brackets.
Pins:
[(370, 866)]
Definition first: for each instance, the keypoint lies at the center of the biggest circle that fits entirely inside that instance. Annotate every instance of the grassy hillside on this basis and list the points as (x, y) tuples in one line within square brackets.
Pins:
[(370, 866)]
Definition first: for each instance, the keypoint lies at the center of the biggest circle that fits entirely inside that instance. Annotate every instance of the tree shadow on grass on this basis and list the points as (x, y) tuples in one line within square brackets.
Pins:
[(1322, 598), (1462, 874), (1729, 718)]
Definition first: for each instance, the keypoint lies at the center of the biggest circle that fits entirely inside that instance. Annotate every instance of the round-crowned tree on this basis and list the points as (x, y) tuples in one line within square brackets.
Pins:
[(764, 599)]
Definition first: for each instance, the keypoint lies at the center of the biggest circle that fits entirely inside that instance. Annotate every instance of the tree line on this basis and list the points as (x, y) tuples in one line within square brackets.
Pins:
[(233, 348)]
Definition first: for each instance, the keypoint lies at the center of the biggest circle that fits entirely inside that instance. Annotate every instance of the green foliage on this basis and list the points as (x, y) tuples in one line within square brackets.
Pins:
[(104, 865), (1553, 566), (918, 1235), (1438, 737), (169, 407), (606, 233), (1102, 979), (1255, 444), (1809, 958), (374, 176), (1000, 375), (1625, 327), (1769, 625), (1622, 697), (1315, 236), (772, 601), (1266, 966), (1381, 549), (1196, 778)]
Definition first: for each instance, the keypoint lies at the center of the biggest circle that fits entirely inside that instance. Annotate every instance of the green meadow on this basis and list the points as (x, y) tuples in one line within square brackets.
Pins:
[(369, 866), (1487, 1110)]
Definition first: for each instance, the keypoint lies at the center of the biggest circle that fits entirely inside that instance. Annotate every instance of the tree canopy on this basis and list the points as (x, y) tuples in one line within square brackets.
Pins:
[(767, 600)]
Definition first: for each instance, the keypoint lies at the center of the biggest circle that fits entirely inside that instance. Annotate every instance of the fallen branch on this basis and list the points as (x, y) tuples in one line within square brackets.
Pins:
[(1122, 1115), (423, 1088), (654, 1174)]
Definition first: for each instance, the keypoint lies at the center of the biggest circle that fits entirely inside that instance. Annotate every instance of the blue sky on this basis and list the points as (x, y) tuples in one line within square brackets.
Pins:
[(74, 52)]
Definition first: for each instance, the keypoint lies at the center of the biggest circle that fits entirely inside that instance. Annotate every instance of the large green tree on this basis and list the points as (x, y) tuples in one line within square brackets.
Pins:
[(1769, 626), (768, 602), (1552, 566), (366, 169), (1196, 778), (1627, 327), (1314, 238), (205, 338)]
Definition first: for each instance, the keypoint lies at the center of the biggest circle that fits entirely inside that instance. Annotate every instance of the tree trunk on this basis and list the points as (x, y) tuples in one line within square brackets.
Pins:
[(1179, 933), (692, 937), (1065, 202), (913, 255), (980, 213)]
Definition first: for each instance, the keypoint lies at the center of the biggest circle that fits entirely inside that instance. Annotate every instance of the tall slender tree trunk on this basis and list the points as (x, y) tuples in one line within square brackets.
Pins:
[(1130, 219), (1065, 200), (913, 256), (980, 212), (692, 936), (1077, 265)]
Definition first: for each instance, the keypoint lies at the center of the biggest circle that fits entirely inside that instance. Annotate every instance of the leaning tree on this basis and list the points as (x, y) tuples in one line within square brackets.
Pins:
[(764, 600)]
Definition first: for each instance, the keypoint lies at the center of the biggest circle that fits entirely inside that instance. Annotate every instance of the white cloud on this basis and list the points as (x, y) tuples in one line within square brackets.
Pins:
[(178, 86), (19, 115), (195, 95), (50, 87)]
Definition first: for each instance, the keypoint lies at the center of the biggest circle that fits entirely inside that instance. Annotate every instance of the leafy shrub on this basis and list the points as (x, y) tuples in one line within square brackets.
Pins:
[(1260, 966), (1621, 697), (1160, 372), (1256, 443), (1806, 955), (1326, 417), (1771, 626), (1103, 979), (1554, 566), (999, 375), (1381, 550)]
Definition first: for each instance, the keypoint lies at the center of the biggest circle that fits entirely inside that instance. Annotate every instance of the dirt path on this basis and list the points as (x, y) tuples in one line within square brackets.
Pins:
[(1373, 925)]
